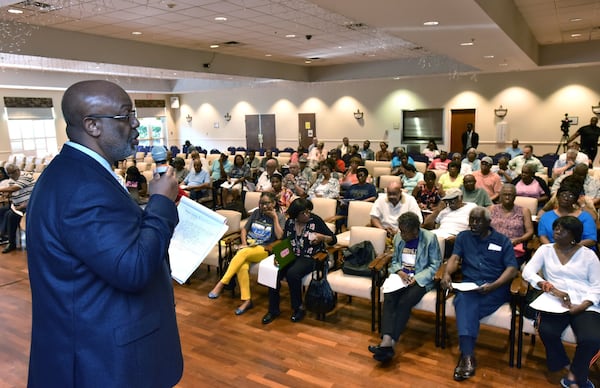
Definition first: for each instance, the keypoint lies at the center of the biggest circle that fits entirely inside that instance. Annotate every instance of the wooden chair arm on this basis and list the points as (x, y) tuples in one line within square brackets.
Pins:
[(516, 284), (381, 261), (440, 272), (333, 219), (230, 238), (269, 247), (321, 256)]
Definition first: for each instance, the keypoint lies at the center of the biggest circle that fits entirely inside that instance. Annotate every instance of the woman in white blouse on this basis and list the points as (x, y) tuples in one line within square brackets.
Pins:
[(571, 280), (325, 186)]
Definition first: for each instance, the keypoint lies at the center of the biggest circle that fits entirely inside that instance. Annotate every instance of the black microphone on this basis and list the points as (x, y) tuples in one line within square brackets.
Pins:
[(159, 155)]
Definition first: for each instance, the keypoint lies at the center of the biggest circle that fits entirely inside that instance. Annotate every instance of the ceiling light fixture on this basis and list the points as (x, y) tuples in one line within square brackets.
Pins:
[(575, 35), (213, 46), (290, 36), (572, 20), (268, 55), (221, 19), (307, 61), (431, 23), (136, 33), (488, 56), (471, 43), (15, 11)]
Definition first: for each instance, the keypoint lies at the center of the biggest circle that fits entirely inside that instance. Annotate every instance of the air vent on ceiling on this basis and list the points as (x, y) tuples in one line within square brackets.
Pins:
[(356, 26), (37, 6)]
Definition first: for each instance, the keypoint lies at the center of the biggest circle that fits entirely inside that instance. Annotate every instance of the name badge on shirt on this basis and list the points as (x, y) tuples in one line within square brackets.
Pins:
[(494, 247)]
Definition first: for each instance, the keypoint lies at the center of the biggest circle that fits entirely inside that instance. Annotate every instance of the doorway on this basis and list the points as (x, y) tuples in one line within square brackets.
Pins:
[(458, 124), (260, 132), (306, 129)]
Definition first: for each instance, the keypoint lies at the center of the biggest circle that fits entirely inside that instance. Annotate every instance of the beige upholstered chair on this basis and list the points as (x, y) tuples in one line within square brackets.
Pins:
[(371, 164), (359, 286), (250, 203), (215, 256), (421, 166), (385, 180), (326, 209), (379, 171), (527, 202), (359, 214)]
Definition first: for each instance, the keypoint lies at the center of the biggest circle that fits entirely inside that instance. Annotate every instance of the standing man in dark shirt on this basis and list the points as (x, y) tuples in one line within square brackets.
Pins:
[(470, 138), (589, 139)]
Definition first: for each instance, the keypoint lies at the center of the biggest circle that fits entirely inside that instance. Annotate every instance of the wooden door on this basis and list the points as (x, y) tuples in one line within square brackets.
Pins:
[(306, 129), (458, 124), (260, 131)]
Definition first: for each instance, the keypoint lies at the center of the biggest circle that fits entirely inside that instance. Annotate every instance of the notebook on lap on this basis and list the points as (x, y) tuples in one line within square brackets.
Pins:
[(284, 254)]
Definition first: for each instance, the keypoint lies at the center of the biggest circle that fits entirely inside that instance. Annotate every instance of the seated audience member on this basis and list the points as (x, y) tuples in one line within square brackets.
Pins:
[(264, 180), (197, 182), (253, 163), (441, 162), (297, 154), (387, 208), (487, 180), (3, 174), (353, 153), (451, 179), (350, 177), (360, 191), (416, 260), (136, 184), (400, 159), (570, 272), (316, 156), (474, 194), (238, 180), (516, 164), (451, 216), (344, 147), (512, 220), (485, 257), (431, 150), (411, 178), (567, 197), (428, 193), (263, 227), (283, 195), (219, 171), (295, 181), (366, 153), (305, 170), (565, 166), (383, 155), (268, 156), (313, 144), (591, 185), (19, 188), (530, 185), (338, 164), (513, 150), (504, 172), (180, 171), (581, 157), (470, 163), (457, 157), (326, 186), (308, 235)]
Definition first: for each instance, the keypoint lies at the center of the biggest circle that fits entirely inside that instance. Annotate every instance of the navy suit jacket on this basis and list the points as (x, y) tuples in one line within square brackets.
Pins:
[(102, 296)]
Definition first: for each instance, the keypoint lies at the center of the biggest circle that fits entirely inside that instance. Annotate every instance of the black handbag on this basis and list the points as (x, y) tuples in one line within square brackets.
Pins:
[(319, 298), (357, 259)]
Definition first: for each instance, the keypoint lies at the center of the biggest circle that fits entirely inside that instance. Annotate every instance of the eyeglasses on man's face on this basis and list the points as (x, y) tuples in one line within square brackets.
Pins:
[(265, 203), (131, 116)]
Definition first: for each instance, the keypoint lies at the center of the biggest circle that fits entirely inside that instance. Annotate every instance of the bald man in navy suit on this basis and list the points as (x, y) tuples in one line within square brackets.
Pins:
[(102, 296)]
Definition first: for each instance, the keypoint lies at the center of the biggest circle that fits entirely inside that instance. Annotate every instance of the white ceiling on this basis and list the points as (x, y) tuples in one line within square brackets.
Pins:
[(349, 39)]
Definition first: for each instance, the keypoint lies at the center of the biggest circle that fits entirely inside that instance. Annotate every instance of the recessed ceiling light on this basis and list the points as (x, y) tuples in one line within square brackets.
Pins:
[(575, 19), (268, 55), (576, 35), (136, 33), (221, 19), (214, 46), (471, 43), (308, 61), (431, 23), (396, 78), (339, 47), (290, 36), (15, 11), (503, 64), (488, 56)]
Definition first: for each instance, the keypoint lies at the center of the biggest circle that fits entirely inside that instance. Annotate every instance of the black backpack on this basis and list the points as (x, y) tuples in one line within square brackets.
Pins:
[(357, 259)]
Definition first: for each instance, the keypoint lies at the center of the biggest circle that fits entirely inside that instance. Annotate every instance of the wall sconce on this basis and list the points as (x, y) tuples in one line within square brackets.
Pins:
[(227, 117), (596, 109), (500, 112), (358, 114), (188, 118)]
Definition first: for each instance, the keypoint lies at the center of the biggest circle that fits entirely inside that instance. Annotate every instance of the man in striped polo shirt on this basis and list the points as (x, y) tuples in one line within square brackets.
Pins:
[(19, 187)]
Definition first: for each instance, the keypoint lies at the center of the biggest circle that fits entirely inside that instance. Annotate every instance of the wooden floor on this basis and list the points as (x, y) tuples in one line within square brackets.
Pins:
[(221, 349)]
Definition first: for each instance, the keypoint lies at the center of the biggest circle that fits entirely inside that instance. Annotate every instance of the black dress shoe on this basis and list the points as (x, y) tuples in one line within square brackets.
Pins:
[(465, 368), (9, 248), (269, 317), (373, 348), (298, 315), (384, 353)]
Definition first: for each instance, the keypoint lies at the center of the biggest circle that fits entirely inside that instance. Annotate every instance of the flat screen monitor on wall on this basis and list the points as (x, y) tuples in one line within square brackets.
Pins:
[(418, 126)]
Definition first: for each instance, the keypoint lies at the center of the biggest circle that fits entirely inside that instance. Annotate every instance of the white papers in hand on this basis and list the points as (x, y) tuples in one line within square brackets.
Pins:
[(198, 231), (267, 272), (465, 286), (393, 283), (548, 303)]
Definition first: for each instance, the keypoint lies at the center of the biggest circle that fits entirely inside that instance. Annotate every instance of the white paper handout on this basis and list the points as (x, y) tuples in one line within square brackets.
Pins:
[(198, 231), (268, 271), (393, 283), (548, 303), (464, 286)]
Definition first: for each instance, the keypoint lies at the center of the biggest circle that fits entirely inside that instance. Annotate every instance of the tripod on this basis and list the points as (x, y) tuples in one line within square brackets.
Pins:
[(564, 141)]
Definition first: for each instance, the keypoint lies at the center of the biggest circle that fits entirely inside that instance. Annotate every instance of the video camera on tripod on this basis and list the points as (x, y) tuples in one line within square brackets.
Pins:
[(565, 124)]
